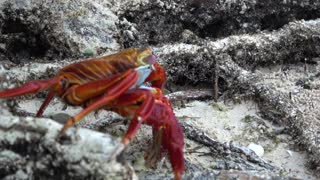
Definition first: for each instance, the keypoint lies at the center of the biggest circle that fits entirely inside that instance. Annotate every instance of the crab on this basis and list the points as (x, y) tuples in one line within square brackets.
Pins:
[(130, 83)]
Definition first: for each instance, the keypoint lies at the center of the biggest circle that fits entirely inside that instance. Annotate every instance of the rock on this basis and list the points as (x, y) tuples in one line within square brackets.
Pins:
[(289, 152), (57, 28), (29, 148)]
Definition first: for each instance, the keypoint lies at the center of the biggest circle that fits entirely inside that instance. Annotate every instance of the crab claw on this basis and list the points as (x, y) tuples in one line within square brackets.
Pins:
[(28, 88), (167, 137), (149, 106), (175, 149), (165, 140), (157, 78)]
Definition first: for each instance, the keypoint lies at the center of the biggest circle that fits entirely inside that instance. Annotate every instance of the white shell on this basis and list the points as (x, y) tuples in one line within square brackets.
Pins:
[(257, 149)]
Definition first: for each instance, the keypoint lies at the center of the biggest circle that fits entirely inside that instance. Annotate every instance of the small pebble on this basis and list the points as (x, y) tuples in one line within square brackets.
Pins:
[(61, 118), (257, 149)]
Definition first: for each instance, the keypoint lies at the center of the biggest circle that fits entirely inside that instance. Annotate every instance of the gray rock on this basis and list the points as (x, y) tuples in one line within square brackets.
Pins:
[(29, 149), (57, 28)]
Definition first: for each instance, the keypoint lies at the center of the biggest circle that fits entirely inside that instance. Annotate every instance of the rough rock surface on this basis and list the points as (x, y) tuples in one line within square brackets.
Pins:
[(56, 28), (29, 150), (202, 44), (160, 21)]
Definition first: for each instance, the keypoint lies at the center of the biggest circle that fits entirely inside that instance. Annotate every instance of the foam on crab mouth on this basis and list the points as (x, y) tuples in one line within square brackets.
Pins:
[(144, 72)]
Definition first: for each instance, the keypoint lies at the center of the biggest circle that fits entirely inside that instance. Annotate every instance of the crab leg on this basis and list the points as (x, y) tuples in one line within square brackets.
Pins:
[(30, 87), (140, 116), (44, 105), (111, 93), (79, 94), (130, 99)]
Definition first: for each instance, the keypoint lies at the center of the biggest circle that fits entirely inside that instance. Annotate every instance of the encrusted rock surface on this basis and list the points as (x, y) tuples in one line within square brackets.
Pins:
[(29, 149), (57, 28)]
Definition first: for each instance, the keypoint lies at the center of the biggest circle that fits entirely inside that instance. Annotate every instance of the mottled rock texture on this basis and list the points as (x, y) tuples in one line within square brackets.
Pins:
[(29, 150), (57, 28)]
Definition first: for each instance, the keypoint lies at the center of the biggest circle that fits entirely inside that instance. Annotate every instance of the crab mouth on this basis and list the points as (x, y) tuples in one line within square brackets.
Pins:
[(143, 72)]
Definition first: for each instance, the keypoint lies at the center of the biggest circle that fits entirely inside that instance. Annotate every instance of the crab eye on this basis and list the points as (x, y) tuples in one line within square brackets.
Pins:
[(63, 83)]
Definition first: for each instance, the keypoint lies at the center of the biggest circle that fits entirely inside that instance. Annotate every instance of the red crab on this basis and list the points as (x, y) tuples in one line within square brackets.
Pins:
[(116, 82)]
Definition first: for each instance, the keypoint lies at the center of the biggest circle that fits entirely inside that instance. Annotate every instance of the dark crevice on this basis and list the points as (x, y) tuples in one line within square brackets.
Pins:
[(23, 43), (274, 21)]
